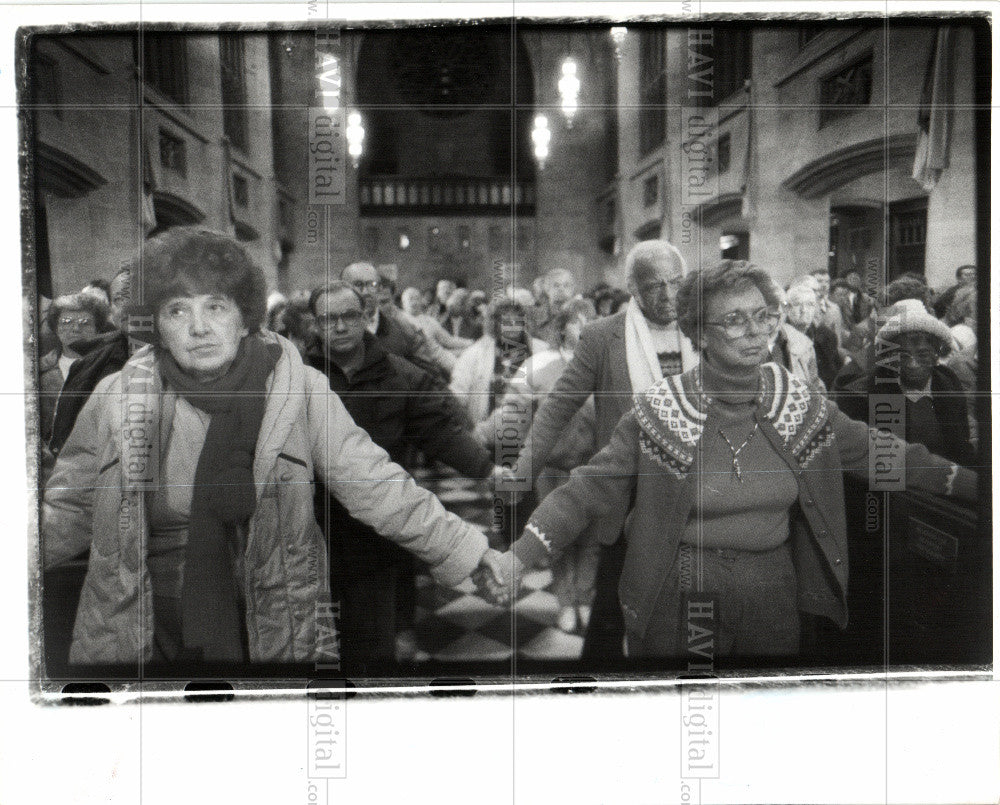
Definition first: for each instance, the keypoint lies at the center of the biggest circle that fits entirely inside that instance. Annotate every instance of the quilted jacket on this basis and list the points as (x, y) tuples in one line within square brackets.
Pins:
[(96, 498)]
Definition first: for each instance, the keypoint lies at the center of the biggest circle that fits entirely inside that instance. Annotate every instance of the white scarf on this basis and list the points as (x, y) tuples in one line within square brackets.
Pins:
[(643, 364)]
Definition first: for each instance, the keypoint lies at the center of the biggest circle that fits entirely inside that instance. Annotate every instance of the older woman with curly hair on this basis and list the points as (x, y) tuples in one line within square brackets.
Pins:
[(76, 319), (482, 372), (734, 475), (190, 473)]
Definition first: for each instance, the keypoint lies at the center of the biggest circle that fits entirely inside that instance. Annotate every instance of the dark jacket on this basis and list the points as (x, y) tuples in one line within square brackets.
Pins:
[(398, 404), (947, 398), (401, 338), (100, 357), (653, 456), (943, 302), (828, 359)]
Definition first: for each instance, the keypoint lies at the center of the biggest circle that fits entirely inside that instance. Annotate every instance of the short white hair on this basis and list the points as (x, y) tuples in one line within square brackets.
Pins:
[(797, 289), (522, 296), (552, 273), (648, 252), (806, 281)]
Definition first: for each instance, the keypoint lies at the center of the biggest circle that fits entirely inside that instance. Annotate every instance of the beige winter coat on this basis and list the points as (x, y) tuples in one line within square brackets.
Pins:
[(96, 499)]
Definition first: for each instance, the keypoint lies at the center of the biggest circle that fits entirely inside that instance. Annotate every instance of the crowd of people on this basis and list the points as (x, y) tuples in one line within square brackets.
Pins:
[(676, 413)]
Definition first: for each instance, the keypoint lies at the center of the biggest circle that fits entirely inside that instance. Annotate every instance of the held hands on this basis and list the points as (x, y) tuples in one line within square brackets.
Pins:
[(498, 577)]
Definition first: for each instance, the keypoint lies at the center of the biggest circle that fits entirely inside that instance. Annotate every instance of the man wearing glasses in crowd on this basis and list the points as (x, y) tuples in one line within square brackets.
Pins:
[(400, 405), (398, 336)]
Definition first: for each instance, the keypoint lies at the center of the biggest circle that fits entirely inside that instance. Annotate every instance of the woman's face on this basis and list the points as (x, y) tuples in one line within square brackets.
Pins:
[(202, 332), (802, 307), (918, 355), (730, 308), (75, 325), (841, 295)]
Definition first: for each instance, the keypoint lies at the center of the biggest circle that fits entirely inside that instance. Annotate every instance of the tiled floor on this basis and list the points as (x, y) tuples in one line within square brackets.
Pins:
[(457, 625)]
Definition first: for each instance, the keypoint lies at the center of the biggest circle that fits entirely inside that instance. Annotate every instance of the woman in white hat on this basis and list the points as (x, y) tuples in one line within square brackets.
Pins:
[(910, 348)]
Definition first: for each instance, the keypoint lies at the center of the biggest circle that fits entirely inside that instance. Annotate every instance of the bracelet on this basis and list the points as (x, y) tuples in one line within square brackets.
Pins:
[(540, 535)]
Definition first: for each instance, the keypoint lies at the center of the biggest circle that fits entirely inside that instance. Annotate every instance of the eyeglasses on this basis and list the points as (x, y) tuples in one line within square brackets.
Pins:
[(69, 321), (925, 355), (349, 318), (362, 285), (651, 288), (737, 323)]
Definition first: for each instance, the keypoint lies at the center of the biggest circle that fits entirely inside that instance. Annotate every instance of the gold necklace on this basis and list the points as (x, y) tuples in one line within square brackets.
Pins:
[(737, 469)]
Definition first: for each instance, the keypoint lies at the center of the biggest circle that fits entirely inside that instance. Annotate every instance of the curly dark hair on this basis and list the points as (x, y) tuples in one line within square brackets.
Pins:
[(505, 312), (906, 288), (190, 261), (93, 304), (698, 288), (582, 309), (616, 297)]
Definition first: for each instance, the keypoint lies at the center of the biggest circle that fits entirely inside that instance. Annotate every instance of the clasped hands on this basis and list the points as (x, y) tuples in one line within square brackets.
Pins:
[(498, 577)]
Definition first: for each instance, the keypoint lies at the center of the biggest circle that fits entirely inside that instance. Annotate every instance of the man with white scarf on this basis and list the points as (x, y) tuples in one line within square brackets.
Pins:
[(617, 356)]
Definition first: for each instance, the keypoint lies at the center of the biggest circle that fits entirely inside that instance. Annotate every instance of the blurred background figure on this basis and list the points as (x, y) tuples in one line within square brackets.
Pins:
[(609, 301), (964, 276), (859, 351), (436, 353), (522, 296), (474, 324), (397, 335), (574, 571), (964, 359), (439, 304), (77, 320), (961, 317), (455, 313), (412, 303), (101, 288), (793, 350), (276, 304), (800, 311), (483, 371), (560, 287), (100, 356), (828, 312)]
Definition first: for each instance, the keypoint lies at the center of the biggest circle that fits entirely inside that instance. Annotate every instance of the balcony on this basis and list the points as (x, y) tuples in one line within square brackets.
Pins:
[(397, 195)]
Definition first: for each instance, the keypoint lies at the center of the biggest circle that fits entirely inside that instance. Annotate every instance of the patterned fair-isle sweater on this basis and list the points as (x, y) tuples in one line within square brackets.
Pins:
[(652, 462)]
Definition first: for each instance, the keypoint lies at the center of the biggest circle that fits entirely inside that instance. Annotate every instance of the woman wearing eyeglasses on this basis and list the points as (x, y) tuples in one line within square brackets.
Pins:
[(911, 346), (734, 471), (76, 320)]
